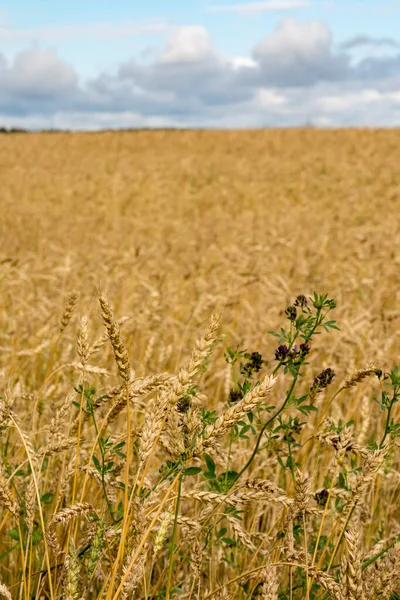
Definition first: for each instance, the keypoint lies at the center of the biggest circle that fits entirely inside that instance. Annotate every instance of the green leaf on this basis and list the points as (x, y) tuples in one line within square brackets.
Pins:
[(4, 554), (119, 446), (221, 532), (228, 476), (244, 430), (192, 471), (302, 398), (342, 482), (267, 408), (330, 325), (210, 463), (14, 534), (229, 541), (96, 463), (37, 537), (47, 498), (307, 409)]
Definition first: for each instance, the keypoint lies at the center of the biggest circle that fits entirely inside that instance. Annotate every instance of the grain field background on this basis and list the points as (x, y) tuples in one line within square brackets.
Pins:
[(169, 228)]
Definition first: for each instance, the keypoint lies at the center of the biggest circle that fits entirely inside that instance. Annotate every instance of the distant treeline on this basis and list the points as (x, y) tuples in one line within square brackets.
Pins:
[(125, 129), (21, 130), (105, 130), (13, 130)]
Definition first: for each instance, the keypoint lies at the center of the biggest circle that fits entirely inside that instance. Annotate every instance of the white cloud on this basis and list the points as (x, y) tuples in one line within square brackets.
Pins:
[(266, 99), (188, 45), (322, 121), (292, 40), (257, 7), (97, 31), (239, 62), (394, 97), (40, 72), (295, 75), (357, 100), (336, 103), (300, 53)]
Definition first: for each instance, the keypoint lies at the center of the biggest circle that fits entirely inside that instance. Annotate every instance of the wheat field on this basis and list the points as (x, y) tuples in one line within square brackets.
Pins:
[(156, 441)]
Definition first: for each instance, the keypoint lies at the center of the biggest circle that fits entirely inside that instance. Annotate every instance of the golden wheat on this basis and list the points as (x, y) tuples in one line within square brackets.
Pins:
[(195, 236)]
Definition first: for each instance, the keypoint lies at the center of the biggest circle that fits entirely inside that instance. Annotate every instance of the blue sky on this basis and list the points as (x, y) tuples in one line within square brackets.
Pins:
[(256, 63)]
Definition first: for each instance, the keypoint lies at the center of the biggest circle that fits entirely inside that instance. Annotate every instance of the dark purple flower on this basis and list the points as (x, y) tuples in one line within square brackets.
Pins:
[(301, 300), (291, 313), (254, 363), (322, 497), (281, 352), (322, 380), (305, 349), (235, 396)]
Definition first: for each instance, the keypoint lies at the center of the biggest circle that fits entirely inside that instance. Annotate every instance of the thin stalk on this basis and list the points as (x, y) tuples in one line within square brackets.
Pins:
[(321, 525), (41, 516), (171, 560), (306, 556), (369, 562), (387, 422), (264, 427), (103, 482)]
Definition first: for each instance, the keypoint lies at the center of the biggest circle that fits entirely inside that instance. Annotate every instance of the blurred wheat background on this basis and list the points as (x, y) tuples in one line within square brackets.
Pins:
[(172, 223)]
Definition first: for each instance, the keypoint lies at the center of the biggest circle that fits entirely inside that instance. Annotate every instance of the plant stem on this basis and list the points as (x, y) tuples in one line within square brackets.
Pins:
[(171, 560), (103, 483), (387, 422), (264, 427)]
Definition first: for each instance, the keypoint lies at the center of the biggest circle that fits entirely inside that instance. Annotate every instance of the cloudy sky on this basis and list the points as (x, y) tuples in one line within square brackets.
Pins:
[(90, 64)]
